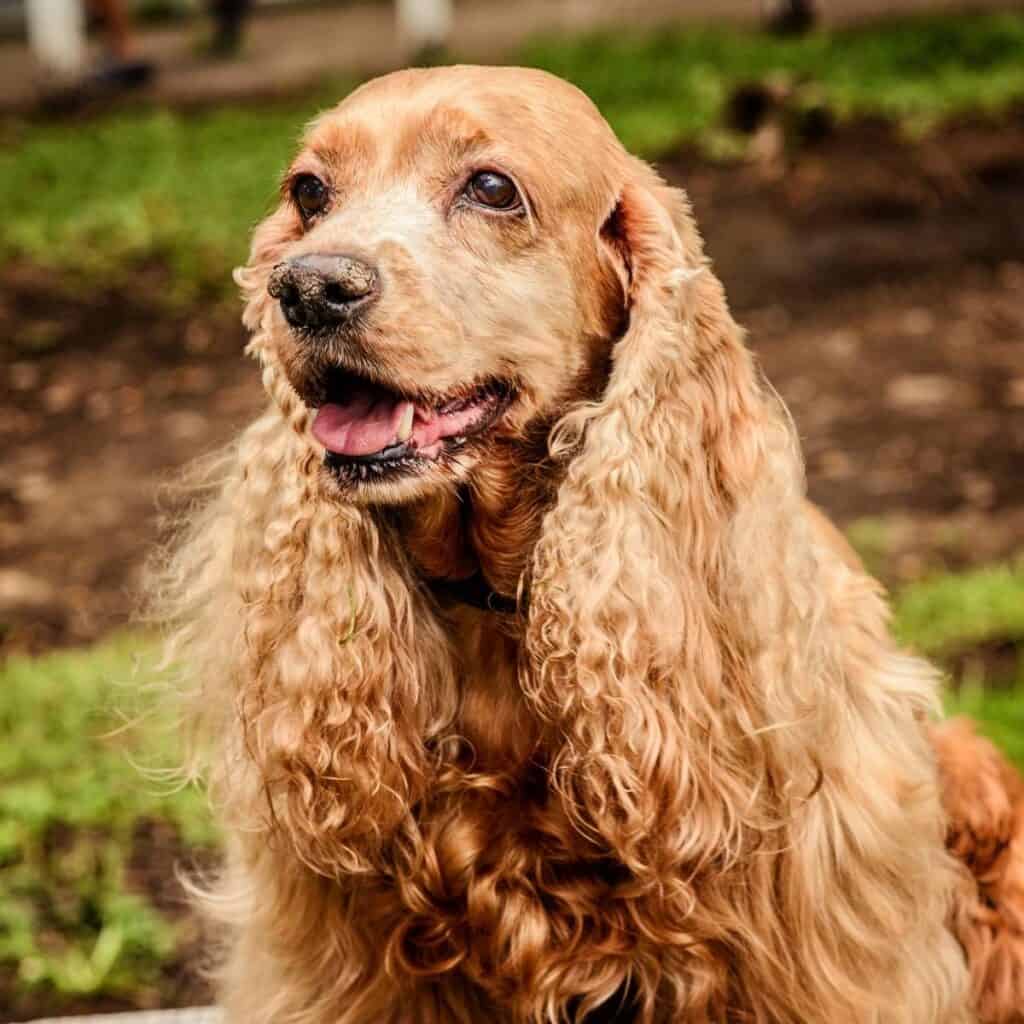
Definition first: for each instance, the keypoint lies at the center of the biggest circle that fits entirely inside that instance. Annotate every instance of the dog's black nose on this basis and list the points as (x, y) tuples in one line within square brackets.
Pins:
[(321, 290)]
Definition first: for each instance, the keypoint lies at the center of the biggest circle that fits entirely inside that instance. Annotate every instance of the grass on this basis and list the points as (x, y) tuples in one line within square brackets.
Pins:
[(94, 197), (951, 615), (72, 806), (660, 88), (952, 612), (998, 713), (158, 186), (74, 920)]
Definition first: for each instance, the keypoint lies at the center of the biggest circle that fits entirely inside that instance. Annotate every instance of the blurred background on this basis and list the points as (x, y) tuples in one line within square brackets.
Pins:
[(857, 167)]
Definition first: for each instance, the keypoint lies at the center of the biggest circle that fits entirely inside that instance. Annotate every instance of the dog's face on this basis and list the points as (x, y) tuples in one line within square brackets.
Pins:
[(438, 276)]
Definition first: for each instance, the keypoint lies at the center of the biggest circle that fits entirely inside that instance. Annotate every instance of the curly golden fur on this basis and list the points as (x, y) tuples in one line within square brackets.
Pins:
[(692, 779)]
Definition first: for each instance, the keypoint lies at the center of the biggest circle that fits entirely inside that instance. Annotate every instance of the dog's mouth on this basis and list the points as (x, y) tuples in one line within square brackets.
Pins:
[(371, 431)]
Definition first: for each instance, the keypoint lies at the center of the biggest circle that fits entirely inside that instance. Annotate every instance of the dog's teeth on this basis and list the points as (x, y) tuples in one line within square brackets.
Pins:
[(405, 423)]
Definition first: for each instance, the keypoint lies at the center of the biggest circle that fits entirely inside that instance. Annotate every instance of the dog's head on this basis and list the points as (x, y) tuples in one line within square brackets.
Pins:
[(443, 272)]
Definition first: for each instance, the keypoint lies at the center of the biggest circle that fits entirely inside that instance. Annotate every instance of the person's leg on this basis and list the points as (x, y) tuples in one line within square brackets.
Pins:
[(229, 16), (123, 68), (117, 27)]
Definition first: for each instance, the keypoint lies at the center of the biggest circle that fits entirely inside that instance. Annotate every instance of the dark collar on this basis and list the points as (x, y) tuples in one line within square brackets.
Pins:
[(474, 591)]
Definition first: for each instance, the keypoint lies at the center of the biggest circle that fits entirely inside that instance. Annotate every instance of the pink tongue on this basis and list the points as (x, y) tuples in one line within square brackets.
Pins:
[(363, 426)]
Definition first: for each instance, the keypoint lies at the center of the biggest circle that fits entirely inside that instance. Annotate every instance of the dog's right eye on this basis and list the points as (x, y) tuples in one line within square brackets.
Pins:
[(310, 195)]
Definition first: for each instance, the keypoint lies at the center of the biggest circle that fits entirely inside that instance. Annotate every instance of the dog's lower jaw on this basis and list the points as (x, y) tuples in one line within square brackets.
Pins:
[(397, 491)]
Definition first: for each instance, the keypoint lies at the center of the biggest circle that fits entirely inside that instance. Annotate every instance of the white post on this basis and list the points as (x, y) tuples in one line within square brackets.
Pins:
[(56, 34), (423, 24)]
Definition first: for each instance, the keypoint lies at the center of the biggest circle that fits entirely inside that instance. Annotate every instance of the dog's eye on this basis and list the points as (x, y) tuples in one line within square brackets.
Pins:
[(310, 194), (488, 188)]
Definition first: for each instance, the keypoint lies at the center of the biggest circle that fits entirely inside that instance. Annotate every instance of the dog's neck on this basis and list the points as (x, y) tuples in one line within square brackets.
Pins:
[(467, 546), (484, 533), (487, 529)]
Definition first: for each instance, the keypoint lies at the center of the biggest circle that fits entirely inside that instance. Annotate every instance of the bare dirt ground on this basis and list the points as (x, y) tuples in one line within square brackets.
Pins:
[(882, 283)]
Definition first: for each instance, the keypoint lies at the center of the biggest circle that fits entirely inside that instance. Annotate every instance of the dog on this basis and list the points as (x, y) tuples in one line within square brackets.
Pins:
[(527, 684)]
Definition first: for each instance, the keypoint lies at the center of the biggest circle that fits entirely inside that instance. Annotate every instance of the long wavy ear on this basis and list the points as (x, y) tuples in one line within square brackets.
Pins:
[(630, 636), (319, 676), (726, 715)]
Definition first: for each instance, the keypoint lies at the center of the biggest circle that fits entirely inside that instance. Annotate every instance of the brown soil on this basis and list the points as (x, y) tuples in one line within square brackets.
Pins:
[(882, 283), (883, 287), (109, 395)]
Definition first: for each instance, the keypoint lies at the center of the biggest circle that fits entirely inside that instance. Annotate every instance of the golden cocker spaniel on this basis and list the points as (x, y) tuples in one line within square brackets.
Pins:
[(528, 686)]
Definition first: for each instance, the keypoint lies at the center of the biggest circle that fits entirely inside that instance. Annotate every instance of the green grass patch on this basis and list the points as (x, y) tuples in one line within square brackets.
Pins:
[(998, 713), (954, 612), (73, 799), (951, 617), (660, 88), (182, 189), (96, 197), (959, 620)]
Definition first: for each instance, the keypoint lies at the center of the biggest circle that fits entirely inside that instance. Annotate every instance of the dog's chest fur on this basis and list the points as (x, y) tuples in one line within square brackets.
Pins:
[(493, 716), (510, 883)]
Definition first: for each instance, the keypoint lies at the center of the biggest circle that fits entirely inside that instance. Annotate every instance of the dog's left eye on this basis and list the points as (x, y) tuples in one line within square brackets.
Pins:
[(310, 194), (488, 188)]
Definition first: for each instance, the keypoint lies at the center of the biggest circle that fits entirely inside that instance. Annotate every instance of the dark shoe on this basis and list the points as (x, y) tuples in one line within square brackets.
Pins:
[(120, 74)]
